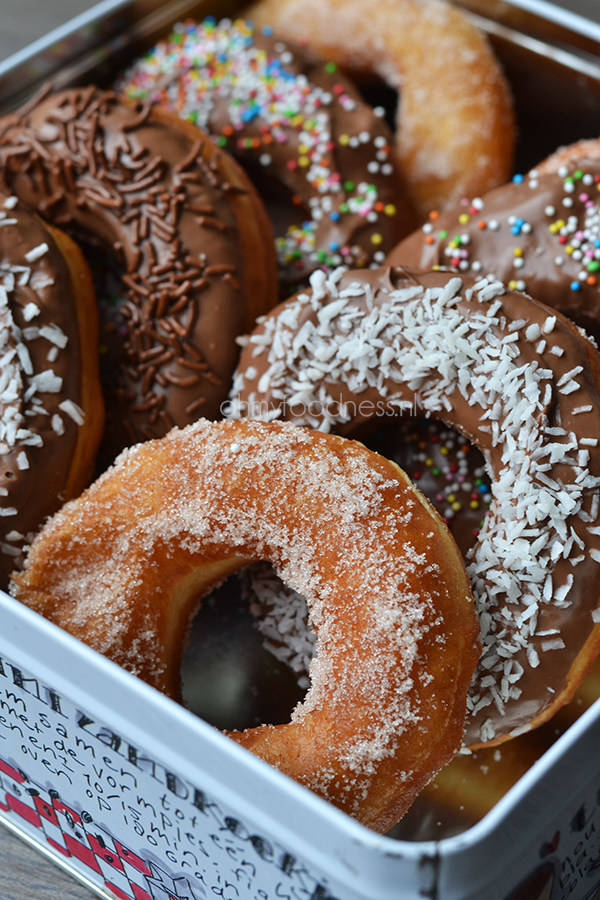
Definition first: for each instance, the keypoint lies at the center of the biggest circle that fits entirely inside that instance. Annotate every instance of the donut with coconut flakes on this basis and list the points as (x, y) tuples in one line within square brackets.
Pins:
[(520, 382), (51, 410)]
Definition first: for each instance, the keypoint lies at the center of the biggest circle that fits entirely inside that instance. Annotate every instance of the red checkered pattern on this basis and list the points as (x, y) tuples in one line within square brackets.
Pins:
[(106, 860)]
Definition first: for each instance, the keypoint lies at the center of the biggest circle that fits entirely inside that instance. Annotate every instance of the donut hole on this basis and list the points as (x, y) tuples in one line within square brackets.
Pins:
[(284, 208), (379, 95), (229, 677), (445, 466)]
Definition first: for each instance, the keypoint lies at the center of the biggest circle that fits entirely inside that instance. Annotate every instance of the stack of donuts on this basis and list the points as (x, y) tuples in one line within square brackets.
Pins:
[(290, 274)]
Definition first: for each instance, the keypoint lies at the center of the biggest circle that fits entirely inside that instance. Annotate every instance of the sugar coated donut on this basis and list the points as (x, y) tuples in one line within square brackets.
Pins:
[(186, 225), (520, 382), (298, 120), (123, 568), (539, 233), (444, 466), (51, 411), (456, 132)]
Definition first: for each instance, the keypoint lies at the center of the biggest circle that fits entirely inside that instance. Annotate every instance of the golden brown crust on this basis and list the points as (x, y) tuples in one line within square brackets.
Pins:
[(456, 129), (123, 568)]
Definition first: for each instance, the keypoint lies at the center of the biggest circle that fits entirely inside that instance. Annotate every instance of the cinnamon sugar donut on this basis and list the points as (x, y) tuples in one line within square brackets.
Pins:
[(300, 122), (51, 411), (517, 380), (540, 233), (455, 132), (185, 225), (123, 568)]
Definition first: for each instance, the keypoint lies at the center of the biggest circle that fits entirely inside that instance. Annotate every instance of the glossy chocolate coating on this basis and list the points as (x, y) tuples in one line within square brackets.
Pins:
[(297, 119), (334, 358), (160, 196), (40, 375), (539, 234)]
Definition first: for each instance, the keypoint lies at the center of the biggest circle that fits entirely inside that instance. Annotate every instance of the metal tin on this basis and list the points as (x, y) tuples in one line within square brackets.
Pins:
[(141, 799)]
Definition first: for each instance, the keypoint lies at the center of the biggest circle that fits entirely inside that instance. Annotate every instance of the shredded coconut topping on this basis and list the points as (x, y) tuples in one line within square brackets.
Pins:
[(447, 350), (29, 395)]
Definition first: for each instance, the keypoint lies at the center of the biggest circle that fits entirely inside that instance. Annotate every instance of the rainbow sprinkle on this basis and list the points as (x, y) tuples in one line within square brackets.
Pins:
[(574, 225), (248, 92)]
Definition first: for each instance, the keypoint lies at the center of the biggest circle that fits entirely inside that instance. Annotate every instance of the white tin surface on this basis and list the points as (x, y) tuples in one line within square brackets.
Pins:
[(582, 16), (146, 801), (141, 799)]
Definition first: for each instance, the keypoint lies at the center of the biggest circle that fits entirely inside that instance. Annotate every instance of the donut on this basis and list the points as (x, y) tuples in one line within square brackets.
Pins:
[(123, 568), (538, 233), (455, 126), (517, 380), (445, 467), (51, 410), (300, 123), (182, 222)]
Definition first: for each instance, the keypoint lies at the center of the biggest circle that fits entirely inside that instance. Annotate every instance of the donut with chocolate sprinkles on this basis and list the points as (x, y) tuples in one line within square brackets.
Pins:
[(520, 382), (183, 223), (51, 410), (299, 122), (123, 567)]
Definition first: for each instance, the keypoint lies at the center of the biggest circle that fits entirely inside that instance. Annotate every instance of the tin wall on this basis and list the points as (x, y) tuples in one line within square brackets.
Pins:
[(141, 799)]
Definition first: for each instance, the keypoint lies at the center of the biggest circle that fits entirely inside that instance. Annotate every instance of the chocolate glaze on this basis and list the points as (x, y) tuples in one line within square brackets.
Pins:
[(39, 333), (356, 348), (539, 234), (168, 205), (276, 105)]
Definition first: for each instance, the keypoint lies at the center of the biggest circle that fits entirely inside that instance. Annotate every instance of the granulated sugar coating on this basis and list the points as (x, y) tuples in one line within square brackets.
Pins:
[(518, 380), (124, 566)]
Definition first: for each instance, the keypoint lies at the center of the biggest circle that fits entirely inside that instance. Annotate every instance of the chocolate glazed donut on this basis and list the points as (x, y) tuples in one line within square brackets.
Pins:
[(51, 411), (539, 233), (298, 120), (519, 381), (184, 223)]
